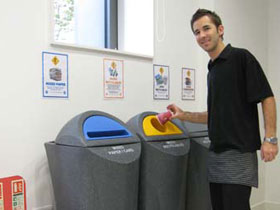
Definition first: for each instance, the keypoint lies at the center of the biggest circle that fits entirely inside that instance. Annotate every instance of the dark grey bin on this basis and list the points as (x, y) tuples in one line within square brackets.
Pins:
[(94, 164), (163, 167), (198, 193)]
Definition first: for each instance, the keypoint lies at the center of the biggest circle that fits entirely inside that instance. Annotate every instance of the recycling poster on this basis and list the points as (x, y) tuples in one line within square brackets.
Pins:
[(161, 82), (55, 75), (113, 78), (188, 84)]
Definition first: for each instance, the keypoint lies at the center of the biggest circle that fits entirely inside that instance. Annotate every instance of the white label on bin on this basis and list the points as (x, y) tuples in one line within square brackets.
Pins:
[(206, 140), (18, 194), (118, 147), (172, 144), (1, 197), (117, 150)]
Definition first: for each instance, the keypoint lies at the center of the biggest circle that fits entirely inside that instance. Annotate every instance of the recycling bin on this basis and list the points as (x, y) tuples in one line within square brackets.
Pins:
[(94, 164), (164, 157), (198, 192)]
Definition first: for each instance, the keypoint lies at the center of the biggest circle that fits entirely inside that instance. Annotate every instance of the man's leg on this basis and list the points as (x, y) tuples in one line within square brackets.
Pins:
[(236, 197), (216, 194), (230, 196)]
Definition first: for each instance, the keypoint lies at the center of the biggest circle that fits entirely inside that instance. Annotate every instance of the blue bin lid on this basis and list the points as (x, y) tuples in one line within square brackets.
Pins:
[(102, 127), (95, 128)]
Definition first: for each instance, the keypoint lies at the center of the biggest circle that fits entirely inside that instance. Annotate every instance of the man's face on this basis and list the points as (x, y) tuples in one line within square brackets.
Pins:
[(207, 34)]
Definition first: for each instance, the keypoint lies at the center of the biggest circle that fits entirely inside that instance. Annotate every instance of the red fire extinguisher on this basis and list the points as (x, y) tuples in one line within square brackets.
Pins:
[(12, 193)]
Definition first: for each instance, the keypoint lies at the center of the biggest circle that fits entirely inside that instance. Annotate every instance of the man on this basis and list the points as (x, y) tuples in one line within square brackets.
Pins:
[(236, 83)]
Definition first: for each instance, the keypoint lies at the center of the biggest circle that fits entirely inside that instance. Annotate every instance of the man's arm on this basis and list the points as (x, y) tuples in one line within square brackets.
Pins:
[(269, 150), (195, 117)]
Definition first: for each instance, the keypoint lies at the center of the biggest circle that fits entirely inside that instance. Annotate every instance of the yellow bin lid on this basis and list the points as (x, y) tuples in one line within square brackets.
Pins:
[(152, 127)]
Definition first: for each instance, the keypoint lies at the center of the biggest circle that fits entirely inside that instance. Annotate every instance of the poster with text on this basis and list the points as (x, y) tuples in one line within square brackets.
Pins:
[(161, 82), (188, 84), (55, 75), (113, 78)]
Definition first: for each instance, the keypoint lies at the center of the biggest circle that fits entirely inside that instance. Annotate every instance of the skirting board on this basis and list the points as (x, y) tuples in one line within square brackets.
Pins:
[(266, 206), (49, 207)]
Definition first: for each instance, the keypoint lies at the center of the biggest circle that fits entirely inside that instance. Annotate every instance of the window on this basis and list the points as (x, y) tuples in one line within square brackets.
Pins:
[(125, 25)]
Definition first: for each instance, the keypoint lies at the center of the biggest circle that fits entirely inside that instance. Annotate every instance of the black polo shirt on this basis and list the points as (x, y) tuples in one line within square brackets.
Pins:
[(236, 83)]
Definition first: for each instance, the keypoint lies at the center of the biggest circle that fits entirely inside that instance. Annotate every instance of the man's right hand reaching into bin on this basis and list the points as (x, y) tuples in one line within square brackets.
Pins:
[(195, 117)]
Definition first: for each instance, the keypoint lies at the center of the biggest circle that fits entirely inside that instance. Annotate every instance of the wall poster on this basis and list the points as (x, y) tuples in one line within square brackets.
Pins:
[(188, 84), (55, 75), (161, 82), (113, 78)]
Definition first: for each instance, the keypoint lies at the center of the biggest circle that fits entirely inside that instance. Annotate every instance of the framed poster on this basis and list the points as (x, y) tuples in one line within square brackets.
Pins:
[(55, 75), (161, 82), (113, 81), (188, 84)]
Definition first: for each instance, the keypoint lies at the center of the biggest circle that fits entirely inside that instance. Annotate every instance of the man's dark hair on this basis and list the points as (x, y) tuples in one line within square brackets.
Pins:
[(204, 12)]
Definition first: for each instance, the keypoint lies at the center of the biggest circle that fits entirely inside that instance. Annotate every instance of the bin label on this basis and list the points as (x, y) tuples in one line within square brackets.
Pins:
[(18, 194), (172, 144), (206, 140), (120, 150), (1, 197)]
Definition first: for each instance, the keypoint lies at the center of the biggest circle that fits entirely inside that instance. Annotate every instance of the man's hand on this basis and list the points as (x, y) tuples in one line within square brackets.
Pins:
[(176, 112), (194, 117), (268, 151)]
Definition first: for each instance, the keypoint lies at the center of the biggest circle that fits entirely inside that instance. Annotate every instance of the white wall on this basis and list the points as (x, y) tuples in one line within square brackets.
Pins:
[(28, 120)]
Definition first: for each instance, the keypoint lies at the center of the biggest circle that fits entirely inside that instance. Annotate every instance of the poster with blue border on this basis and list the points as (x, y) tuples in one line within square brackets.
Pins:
[(55, 75)]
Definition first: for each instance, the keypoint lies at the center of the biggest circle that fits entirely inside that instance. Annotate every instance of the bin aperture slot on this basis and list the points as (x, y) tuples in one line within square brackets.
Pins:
[(156, 124), (114, 133), (101, 127), (152, 127)]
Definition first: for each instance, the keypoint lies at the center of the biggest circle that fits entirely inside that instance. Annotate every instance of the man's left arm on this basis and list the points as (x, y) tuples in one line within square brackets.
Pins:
[(269, 150)]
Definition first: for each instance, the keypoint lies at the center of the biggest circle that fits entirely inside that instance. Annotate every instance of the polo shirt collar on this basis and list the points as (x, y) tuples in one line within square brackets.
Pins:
[(223, 55)]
